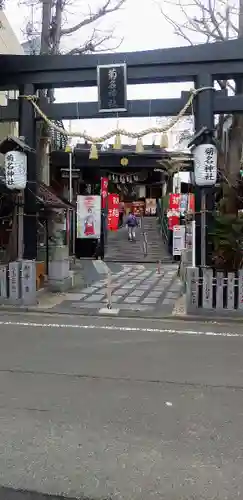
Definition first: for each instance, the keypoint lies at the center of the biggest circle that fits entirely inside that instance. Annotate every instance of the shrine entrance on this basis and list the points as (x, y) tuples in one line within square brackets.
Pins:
[(201, 65)]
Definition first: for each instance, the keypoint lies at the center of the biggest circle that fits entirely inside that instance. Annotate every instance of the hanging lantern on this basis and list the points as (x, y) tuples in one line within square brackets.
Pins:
[(15, 169), (205, 165)]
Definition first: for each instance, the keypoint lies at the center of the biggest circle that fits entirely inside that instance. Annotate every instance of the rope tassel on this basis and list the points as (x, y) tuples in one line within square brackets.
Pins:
[(139, 146), (93, 154), (117, 143), (164, 142)]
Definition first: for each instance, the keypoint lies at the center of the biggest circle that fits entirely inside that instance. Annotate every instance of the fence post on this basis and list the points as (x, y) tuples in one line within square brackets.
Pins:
[(28, 282), (3, 282), (231, 291), (14, 281), (192, 288), (240, 290), (219, 290), (207, 289)]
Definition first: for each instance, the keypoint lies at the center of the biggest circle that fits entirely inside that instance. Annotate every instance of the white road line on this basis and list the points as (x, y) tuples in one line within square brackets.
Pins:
[(30, 324)]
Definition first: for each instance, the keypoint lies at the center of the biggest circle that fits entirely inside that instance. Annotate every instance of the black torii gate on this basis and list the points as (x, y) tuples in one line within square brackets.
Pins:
[(201, 64)]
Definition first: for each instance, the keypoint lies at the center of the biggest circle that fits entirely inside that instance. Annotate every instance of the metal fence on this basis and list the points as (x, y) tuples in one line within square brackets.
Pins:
[(208, 290)]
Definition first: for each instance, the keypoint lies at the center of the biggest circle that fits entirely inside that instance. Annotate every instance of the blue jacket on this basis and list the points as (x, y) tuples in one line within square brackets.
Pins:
[(132, 220)]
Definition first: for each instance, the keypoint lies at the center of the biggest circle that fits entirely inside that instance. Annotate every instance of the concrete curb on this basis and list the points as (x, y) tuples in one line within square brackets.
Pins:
[(123, 314)]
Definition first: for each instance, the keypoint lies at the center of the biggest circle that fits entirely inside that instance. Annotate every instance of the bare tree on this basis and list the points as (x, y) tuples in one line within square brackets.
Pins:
[(53, 26), (207, 21)]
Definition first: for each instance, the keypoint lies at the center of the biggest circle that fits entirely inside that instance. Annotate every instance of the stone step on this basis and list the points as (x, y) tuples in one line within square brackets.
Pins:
[(119, 249)]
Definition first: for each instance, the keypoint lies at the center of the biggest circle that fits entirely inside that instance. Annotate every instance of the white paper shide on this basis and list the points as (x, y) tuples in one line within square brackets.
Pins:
[(15, 169), (205, 165)]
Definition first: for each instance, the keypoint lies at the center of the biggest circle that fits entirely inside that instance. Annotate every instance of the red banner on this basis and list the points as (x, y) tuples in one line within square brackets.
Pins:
[(173, 213), (191, 202), (104, 191), (174, 202), (113, 211), (173, 220)]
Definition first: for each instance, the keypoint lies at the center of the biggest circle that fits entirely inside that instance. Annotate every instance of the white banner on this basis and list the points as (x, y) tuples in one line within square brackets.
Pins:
[(88, 216), (179, 239)]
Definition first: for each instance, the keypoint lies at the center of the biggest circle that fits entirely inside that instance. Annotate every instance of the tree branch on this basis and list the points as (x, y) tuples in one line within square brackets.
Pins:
[(107, 8), (95, 42)]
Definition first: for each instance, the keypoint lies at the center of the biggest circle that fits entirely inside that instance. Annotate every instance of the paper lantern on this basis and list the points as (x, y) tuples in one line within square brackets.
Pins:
[(205, 165), (15, 170)]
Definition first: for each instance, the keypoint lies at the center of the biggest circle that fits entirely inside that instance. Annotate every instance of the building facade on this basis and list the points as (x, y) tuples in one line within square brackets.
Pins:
[(9, 44)]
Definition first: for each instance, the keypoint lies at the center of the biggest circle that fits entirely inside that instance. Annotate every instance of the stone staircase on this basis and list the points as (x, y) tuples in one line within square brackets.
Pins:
[(119, 249)]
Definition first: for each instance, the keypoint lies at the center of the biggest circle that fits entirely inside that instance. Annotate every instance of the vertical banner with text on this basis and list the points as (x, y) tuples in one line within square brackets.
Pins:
[(104, 191), (113, 212), (173, 213)]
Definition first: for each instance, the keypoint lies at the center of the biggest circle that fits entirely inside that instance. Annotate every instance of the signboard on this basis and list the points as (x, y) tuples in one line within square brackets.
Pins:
[(104, 191), (150, 206), (88, 216), (113, 212), (112, 88), (183, 203), (179, 237), (138, 208), (205, 165)]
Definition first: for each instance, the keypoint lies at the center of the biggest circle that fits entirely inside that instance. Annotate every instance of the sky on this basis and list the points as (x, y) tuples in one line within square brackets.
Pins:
[(142, 27)]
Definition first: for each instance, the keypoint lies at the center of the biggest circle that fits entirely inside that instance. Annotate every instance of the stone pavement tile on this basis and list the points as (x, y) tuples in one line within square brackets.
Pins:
[(130, 300), (90, 289), (137, 293), (94, 298), (75, 296), (168, 301), (180, 306), (120, 291), (115, 298), (150, 300), (172, 295), (128, 286), (84, 305), (155, 294)]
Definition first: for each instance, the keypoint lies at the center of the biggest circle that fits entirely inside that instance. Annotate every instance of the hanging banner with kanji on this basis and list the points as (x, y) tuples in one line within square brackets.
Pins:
[(173, 212), (104, 191), (174, 202), (113, 212)]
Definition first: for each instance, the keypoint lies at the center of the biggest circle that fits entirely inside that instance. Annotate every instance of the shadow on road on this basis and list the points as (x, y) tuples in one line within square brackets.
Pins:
[(11, 494)]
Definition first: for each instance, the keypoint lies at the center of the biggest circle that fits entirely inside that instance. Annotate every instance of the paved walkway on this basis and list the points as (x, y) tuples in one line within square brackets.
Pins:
[(134, 288)]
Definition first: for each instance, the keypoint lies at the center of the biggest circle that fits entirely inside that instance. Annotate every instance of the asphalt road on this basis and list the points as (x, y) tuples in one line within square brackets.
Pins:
[(120, 409)]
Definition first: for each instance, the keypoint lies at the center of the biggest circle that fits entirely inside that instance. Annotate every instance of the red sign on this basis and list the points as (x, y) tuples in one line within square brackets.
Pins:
[(191, 202), (173, 213), (113, 212), (173, 220), (104, 191), (174, 202)]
